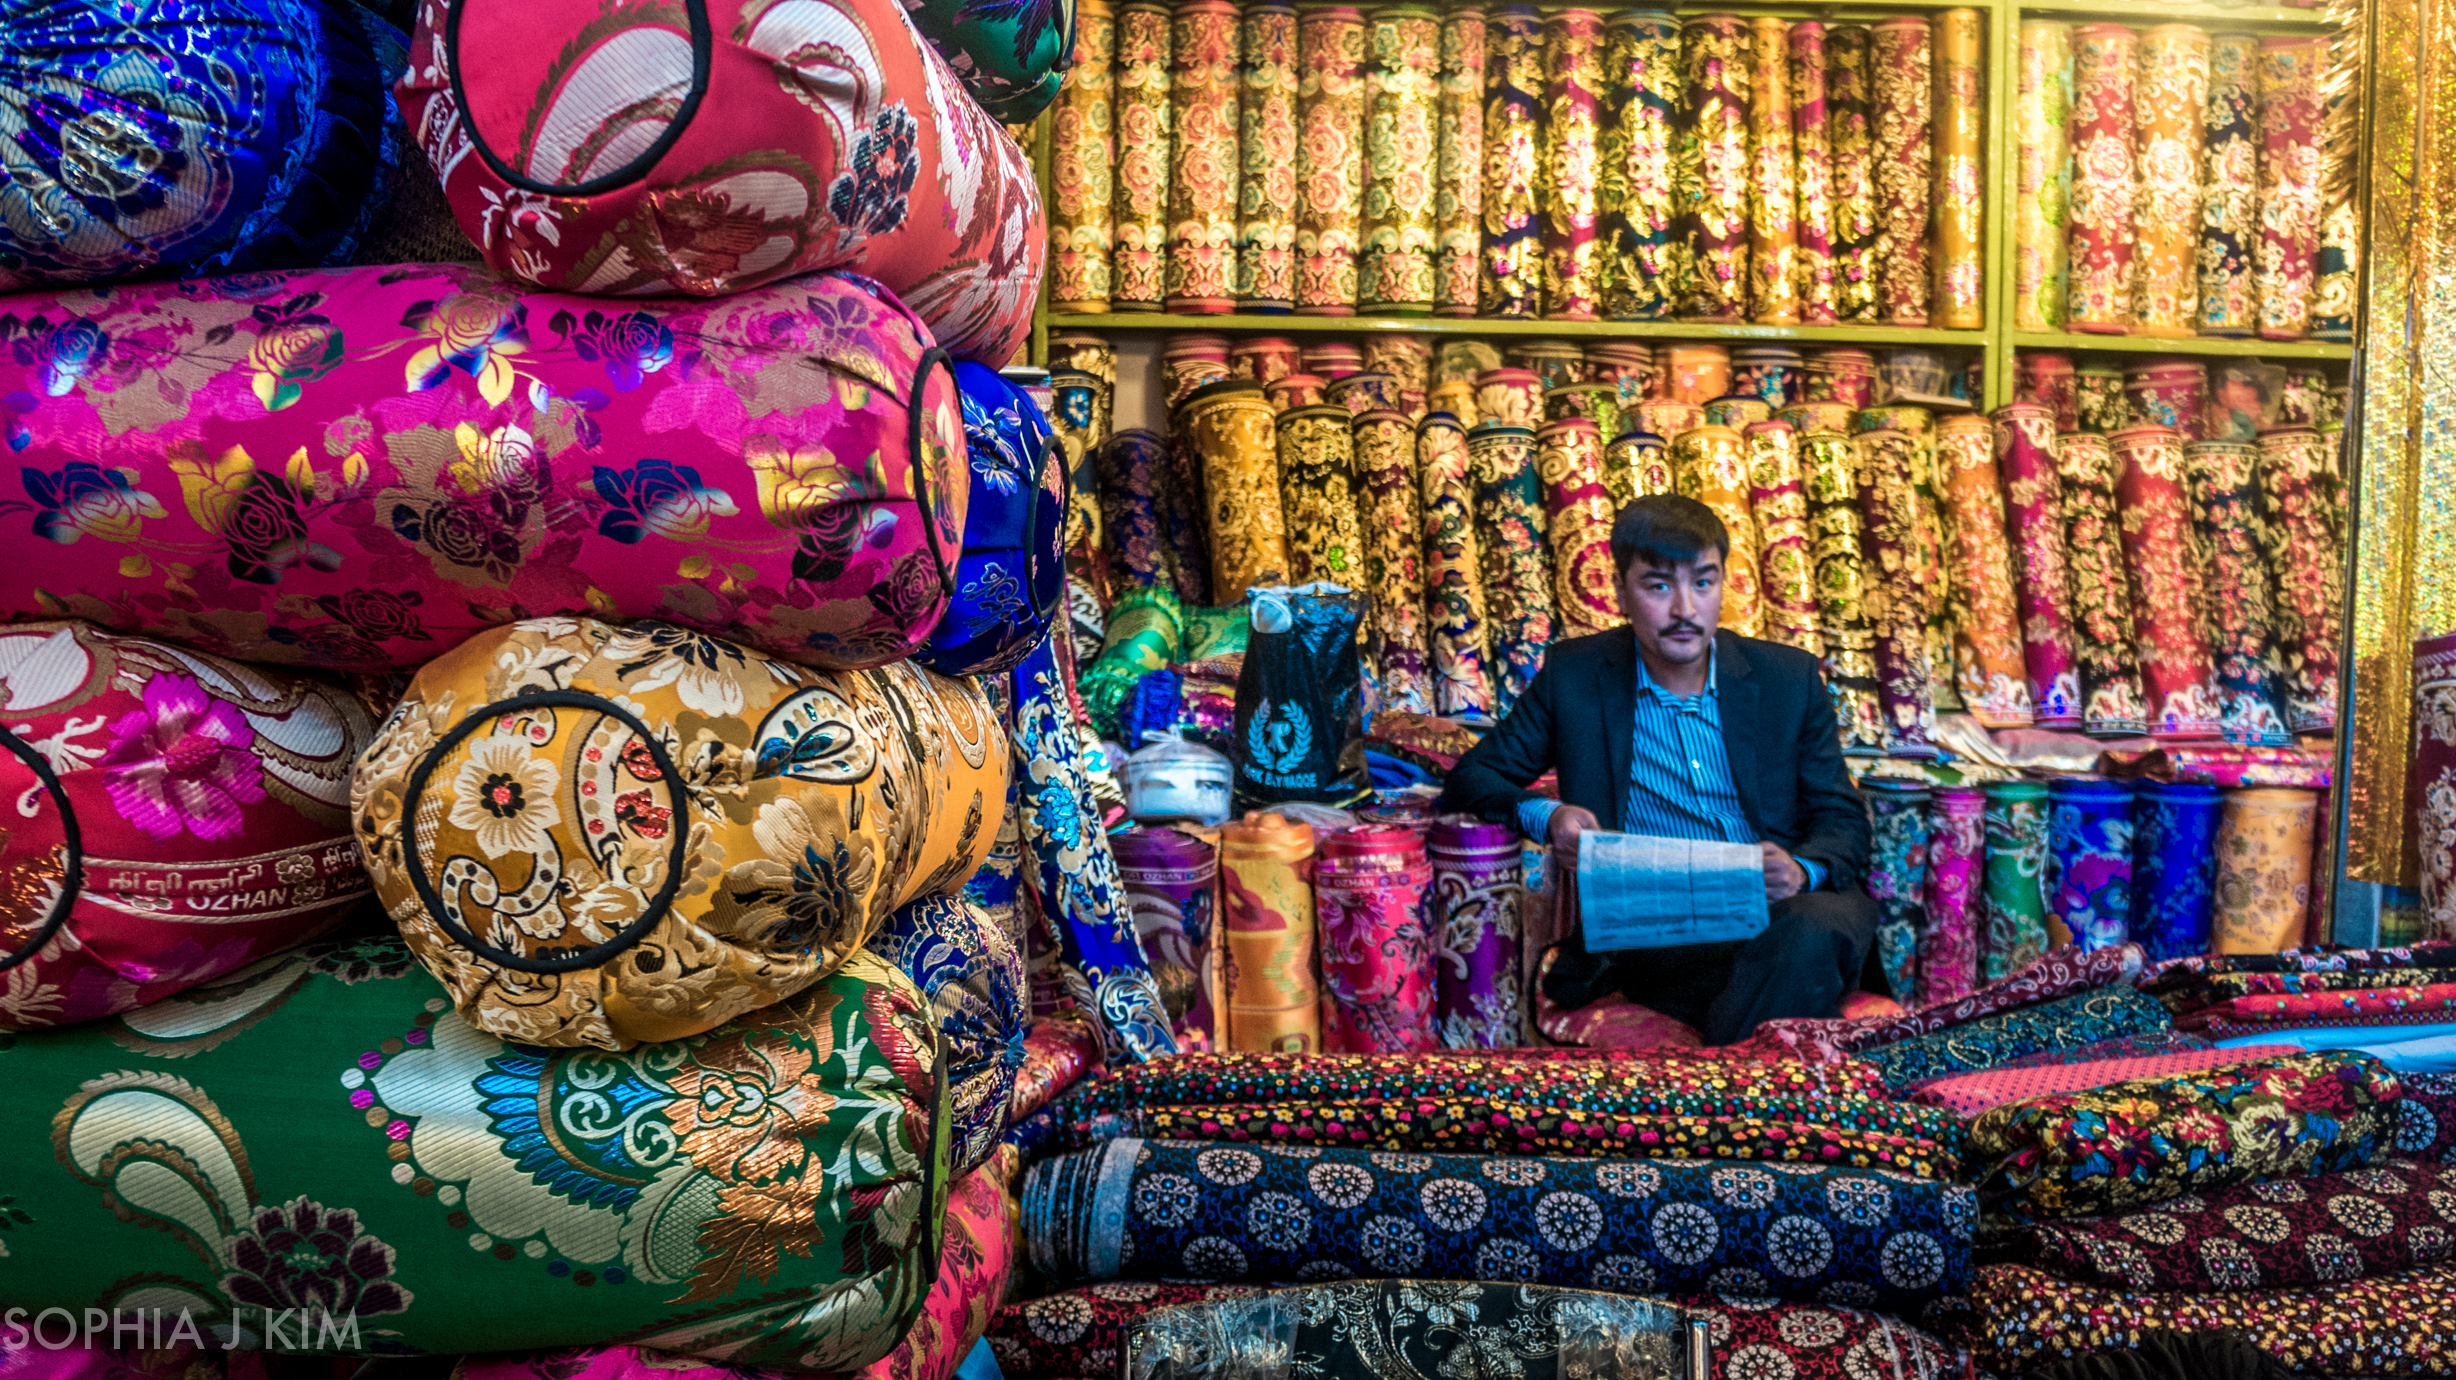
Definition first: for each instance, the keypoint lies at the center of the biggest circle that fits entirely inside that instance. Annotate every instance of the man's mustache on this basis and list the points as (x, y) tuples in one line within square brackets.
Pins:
[(1681, 627)]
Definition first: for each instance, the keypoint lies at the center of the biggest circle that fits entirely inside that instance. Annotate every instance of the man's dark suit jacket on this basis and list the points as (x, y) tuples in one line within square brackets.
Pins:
[(1778, 730)]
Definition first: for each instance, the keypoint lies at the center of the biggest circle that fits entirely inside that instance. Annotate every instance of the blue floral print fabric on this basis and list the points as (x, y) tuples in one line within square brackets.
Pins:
[(972, 973), (1992, 1041), (1218, 1212), (1010, 580)]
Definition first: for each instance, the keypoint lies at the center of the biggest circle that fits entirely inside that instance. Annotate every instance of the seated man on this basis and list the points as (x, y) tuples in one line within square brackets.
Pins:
[(1671, 728)]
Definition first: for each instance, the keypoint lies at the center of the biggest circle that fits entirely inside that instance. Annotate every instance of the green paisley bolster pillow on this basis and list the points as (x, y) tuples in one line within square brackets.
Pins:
[(320, 1134)]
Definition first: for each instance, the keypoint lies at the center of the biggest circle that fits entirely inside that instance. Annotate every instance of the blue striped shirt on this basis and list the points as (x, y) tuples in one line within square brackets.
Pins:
[(1680, 783)]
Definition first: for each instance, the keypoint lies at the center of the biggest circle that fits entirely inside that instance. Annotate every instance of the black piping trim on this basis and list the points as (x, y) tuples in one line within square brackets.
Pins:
[(917, 420), (702, 42), (631, 934), (72, 880)]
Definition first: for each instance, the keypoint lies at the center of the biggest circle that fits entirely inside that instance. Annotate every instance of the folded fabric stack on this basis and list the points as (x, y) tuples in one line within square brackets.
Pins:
[(2398, 1005)]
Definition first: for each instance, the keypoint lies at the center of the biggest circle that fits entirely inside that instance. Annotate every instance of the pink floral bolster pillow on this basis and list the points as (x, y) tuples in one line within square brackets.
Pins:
[(359, 468), (165, 817), (640, 148)]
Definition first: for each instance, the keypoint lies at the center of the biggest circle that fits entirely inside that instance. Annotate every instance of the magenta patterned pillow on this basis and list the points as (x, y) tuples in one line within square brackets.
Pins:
[(359, 468)]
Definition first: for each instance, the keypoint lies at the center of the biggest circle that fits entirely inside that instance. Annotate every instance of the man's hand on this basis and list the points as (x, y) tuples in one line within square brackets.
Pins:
[(1784, 877), (1568, 822)]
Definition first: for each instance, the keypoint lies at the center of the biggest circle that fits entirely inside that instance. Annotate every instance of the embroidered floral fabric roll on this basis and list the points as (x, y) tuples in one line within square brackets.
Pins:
[(1773, 177), (1512, 539), (1472, 912), (1901, 593), (2301, 534), (2283, 272), (1181, 1209), (1458, 187), (2263, 887), (2230, 188), (1138, 278), (1960, 202), (1202, 183), (1578, 524), (178, 817), (2105, 639), (2161, 552), (1713, 160), (970, 972), (2243, 623), (1812, 143), (2170, 101), (2135, 1144), (1082, 166), (1851, 93), (493, 486), (1010, 578), (1993, 1040), (1900, 54), (1829, 462), (2015, 928), (2098, 399), (1956, 876), (1778, 504), (2088, 878), (1453, 571), (1989, 665), (1330, 101), (1234, 434), (1897, 879), (1407, 359), (2337, 272), (1267, 141), (2024, 440), (1268, 921), (2174, 843), (1377, 959), (2105, 183), (1573, 96), (1511, 276), (1392, 531), (1171, 876), (1317, 492), (1642, 260), (1710, 464), (1401, 153), (1132, 467), (2042, 116)]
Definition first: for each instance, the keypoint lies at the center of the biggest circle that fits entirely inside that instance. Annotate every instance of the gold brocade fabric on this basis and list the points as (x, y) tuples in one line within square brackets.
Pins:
[(1987, 658), (1710, 464), (1233, 433), (1579, 514), (1317, 493)]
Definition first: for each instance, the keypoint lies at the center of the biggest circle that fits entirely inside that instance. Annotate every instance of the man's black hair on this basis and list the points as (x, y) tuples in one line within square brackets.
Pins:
[(1666, 530)]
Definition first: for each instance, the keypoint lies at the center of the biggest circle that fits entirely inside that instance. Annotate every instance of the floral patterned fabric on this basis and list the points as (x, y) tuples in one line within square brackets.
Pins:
[(1988, 1041), (357, 469), (2057, 973), (1767, 1339), (177, 816), (134, 146), (1079, 1333), (2395, 1326), (2426, 1117), (565, 135), (1057, 1052), (1206, 1079), (1010, 58), (2364, 1006), (2134, 1144), (2331, 1229), (581, 874), (1972, 1093), (972, 974), (320, 1129), (1010, 581), (1223, 1212)]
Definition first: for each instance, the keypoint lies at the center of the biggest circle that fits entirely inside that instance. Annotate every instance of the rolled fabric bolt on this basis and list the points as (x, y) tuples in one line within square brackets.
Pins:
[(2170, 100), (1172, 877), (1897, 879), (1643, 261), (1850, 93), (1364, 391), (1812, 145), (1234, 434), (1202, 183), (2089, 863), (1266, 151), (1738, 413), (1956, 878), (1844, 376), (1190, 359), (1082, 167), (1578, 522), (1269, 927), (1130, 468), (2302, 534), (1710, 464), (1388, 515), (1693, 373), (1265, 359), (1138, 277), (2284, 264), (1901, 59), (1830, 464), (1778, 502), (1330, 97), (1407, 359), (1401, 160), (2105, 182), (1960, 105), (1669, 418), (1596, 402), (2161, 552), (1317, 493), (1806, 417), (1458, 186), (2338, 271), (1987, 653), (2042, 114), (1511, 539), (2230, 189), (2174, 867), (1457, 398), (1773, 177), (2015, 925), (2099, 400), (2105, 637), (2047, 379), (1558, 363), (1900, 590), (1644, 459), (2024, 436), (1511, 276), (2223, 482), (1713, 165), (1511, 397), (1333, 359), (2263, 887), (1185, 519), (1377, 960), (1473, 915), (1453, 571), (1573, 95), (1927, 535)]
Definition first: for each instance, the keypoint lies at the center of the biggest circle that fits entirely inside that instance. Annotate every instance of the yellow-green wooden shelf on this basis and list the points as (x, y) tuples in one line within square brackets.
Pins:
[(1875, 337), (2189, 345)]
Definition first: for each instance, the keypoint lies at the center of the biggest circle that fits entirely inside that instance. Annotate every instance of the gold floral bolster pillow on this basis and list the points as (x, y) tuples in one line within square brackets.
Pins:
[(636, 834)]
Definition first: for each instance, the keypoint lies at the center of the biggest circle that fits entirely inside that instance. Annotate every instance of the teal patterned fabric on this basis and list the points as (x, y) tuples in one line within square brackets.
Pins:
[(2081, 1019)]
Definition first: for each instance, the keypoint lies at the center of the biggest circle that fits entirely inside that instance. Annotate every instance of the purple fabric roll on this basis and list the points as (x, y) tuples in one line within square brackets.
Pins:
[(1169, 879), (1471, 911), (1956, 871)]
